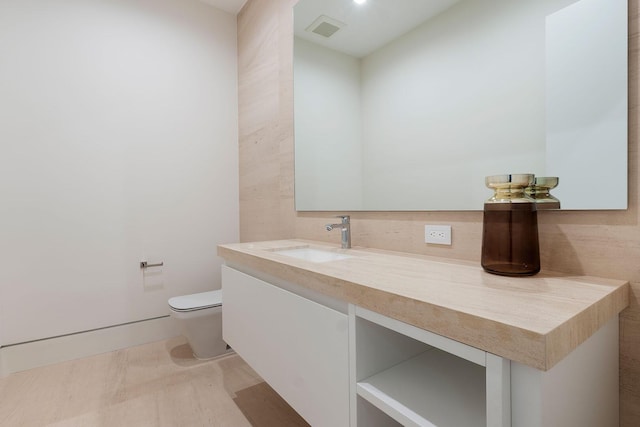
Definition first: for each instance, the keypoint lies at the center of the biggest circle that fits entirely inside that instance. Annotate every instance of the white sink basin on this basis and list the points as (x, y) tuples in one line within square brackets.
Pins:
[(313, 254)]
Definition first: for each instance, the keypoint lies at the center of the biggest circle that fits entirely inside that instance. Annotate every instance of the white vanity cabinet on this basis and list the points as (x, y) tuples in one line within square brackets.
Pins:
[(300, 347), (339, 364), (376, 340)]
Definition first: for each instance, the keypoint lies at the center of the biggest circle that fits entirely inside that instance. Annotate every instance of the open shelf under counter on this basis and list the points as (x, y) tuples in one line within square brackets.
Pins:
[(433, 388)]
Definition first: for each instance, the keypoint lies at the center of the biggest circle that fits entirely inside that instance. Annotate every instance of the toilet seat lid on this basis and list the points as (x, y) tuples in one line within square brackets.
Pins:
[(196, 301)]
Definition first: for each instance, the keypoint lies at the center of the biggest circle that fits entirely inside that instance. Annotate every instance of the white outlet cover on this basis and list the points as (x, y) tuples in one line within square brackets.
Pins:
[(437, 234)]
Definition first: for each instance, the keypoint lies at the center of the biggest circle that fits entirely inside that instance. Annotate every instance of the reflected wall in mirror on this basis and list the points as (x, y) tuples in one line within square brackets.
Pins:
[(409, 104)]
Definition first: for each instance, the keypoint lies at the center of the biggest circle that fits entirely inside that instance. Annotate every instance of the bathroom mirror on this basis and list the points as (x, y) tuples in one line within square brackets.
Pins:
[(409, 104)]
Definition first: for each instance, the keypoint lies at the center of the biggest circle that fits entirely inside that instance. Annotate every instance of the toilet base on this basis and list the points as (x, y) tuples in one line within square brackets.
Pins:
[(228, 351), (203, 331)]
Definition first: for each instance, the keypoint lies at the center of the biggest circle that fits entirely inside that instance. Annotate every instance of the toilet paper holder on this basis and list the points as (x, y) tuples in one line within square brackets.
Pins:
[(145, 264)]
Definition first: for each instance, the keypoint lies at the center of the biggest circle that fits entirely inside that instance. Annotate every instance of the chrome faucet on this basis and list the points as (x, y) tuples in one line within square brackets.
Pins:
[(345, 227)]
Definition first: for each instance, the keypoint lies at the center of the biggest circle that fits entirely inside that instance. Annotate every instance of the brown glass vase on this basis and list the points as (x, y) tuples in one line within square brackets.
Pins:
[(510, 228)]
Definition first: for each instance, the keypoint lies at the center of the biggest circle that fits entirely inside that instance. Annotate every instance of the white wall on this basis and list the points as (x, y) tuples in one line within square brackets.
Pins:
[(328, 129), (118, 128)]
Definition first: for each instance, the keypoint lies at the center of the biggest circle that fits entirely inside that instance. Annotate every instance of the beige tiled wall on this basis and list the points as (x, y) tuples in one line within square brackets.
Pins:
[(605, 243)]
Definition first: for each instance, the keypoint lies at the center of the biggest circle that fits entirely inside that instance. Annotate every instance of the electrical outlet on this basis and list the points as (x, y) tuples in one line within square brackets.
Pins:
[(437, 234)]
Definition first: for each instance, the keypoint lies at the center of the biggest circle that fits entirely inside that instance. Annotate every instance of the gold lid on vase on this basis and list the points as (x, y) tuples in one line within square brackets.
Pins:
[(510, 188)]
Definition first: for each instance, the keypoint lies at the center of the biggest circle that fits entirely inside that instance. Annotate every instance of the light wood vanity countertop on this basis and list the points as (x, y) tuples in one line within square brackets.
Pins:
[(534, 320)]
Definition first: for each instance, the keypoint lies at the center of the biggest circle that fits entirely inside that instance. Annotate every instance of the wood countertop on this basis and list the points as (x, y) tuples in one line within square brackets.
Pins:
[(534, 320)]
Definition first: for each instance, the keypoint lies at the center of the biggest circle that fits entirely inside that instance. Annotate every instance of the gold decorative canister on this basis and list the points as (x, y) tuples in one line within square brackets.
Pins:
[(540, 192)]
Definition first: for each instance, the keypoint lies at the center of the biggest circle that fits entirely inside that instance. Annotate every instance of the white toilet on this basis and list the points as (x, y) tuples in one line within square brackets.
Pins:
[(200, 319)]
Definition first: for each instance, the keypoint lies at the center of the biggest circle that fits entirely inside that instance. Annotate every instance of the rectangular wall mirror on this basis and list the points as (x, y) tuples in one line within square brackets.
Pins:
[(406, 105)]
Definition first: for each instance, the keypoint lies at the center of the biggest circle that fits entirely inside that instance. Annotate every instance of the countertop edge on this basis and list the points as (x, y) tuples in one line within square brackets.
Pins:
[(568, 336)]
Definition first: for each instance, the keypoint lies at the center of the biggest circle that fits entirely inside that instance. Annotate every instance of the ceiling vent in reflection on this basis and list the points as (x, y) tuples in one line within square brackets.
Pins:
[(325, 26)]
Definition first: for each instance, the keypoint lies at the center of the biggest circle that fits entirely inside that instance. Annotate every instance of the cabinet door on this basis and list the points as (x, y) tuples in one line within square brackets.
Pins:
[(298, 346)]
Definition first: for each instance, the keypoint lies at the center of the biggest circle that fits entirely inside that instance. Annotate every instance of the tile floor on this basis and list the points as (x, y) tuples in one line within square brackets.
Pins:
[(156, 384)]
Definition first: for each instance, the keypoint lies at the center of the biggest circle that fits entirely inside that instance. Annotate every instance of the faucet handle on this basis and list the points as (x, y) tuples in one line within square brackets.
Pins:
[(344, 218)]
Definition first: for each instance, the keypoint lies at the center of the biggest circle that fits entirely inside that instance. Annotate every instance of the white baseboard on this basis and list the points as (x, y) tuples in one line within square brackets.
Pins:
[(33, 354)]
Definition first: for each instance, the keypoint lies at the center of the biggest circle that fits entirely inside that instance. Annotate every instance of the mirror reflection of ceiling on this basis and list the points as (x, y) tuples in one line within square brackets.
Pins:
[(231, 6), (367, 26)]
